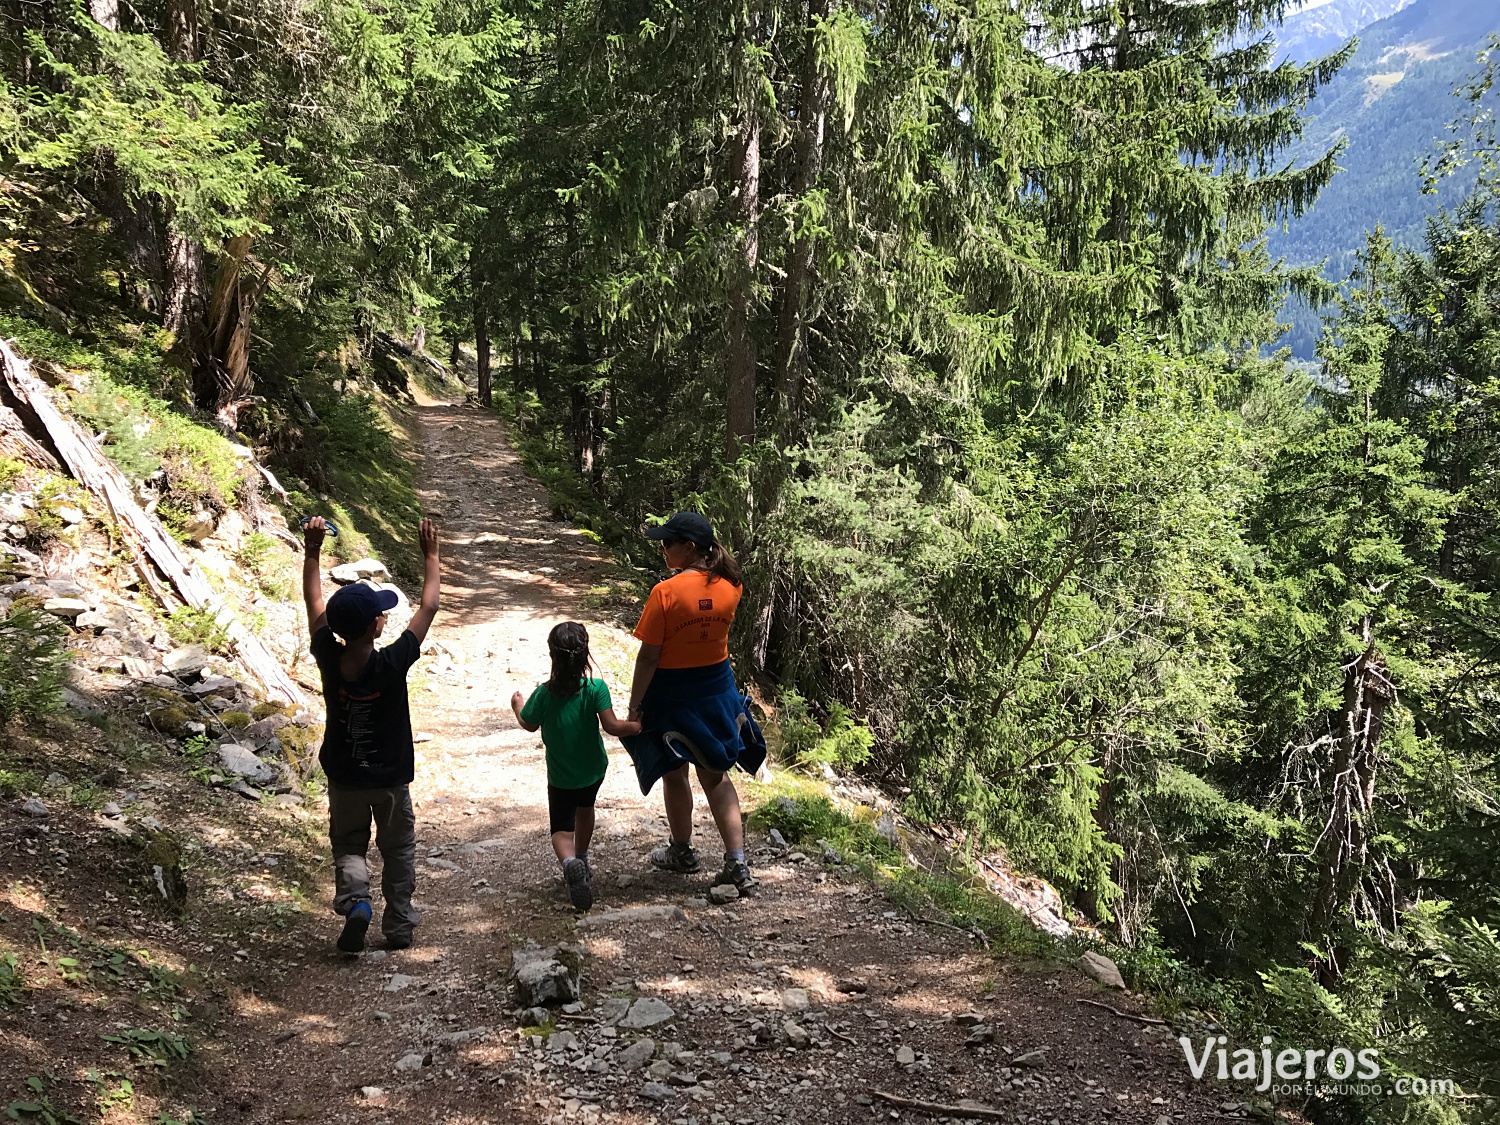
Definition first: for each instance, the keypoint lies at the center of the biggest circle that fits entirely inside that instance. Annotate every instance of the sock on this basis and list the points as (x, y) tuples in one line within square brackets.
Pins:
[(737, 856)]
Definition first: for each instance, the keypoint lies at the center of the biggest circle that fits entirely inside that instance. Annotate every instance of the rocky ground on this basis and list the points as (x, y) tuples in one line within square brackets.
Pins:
[(815, 1000)]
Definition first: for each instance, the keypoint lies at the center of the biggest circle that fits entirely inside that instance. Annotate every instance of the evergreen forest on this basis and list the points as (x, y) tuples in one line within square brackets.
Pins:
[(957, 319)]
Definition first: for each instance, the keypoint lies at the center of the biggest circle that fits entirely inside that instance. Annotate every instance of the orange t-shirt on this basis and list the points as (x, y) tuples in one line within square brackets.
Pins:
[(689, 616)]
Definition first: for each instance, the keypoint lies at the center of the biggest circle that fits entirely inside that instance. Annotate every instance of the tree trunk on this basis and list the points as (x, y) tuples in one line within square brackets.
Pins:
[(106, 13), (419, 340), (740, 344), (482, 389), (812, 115), (1368, 691), (184, 304), (221, 359)]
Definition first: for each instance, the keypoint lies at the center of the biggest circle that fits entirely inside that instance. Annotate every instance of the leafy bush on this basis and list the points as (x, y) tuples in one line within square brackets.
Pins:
[(188, 625), (10, 472), (843, 741), (33, 663), (259, 554)]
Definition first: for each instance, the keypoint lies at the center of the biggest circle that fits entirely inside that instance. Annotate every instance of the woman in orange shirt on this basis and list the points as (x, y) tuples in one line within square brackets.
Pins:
[(685, 697)]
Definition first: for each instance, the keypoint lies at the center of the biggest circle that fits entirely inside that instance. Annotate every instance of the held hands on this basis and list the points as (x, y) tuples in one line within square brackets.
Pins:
[(427, 535), (630, 727)]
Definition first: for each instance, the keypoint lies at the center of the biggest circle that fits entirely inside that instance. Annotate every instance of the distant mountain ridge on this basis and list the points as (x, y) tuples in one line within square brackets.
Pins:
[(1315, 32), (1392, 102)]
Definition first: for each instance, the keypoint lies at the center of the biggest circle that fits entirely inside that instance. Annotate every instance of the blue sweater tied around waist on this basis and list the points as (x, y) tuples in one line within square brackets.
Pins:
[(697, 716)]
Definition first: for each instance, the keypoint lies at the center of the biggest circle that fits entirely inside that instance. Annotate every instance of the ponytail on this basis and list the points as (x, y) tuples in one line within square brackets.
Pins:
[(721, 564), (568, 645)]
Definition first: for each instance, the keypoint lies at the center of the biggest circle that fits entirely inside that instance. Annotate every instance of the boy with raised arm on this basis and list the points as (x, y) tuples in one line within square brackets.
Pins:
[(367, 752)]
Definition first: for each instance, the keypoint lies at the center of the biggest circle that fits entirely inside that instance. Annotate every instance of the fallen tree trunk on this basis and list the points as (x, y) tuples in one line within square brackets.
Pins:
[(91, 468)]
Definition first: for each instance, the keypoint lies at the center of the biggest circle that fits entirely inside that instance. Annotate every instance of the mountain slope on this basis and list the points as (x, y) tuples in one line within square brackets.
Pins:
[(1315, 32), (1392, 102)]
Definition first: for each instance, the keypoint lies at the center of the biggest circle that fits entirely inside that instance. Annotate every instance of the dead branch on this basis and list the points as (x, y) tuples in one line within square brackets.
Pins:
[(1124, 1015), (938, 1109)]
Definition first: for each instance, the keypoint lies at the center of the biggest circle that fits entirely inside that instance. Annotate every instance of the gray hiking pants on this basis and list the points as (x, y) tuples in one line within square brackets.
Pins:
[(350, 812)]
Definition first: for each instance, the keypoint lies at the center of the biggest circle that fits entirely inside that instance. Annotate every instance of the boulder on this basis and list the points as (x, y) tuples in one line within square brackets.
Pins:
[(262, 730), (1102, 969), (371, 569), (35, 806), (71, 608), (199, 525), (647, 1012), (240, 760), (186, 663), (545, 977)]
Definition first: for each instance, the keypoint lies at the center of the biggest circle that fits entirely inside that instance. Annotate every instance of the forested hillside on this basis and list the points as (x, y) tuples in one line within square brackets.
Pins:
[(952, 316), (1321, 29), (1390, 107)]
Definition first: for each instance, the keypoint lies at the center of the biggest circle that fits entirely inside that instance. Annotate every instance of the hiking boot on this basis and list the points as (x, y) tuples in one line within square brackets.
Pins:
[(356, 922), (676, 856), (736, 873), (576, 875), (398, 941)]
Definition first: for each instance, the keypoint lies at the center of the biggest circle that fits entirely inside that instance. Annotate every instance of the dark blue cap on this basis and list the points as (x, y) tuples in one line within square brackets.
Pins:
[(354, 608), (689, 526)]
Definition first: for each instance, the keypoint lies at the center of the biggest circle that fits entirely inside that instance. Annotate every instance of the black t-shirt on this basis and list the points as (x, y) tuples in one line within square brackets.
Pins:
[(367, 744)]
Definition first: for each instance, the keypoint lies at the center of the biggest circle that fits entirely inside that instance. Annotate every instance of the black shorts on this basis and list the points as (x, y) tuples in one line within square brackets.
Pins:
[(563, 805)]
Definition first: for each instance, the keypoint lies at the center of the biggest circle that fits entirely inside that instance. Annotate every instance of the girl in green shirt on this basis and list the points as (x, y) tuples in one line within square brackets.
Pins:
[(569, 709)]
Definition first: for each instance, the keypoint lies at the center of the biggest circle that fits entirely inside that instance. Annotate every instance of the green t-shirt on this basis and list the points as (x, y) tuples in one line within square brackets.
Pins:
[(570, 732)]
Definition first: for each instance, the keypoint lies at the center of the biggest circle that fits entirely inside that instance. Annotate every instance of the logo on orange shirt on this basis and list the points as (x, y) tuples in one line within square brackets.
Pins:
[(705, 603)]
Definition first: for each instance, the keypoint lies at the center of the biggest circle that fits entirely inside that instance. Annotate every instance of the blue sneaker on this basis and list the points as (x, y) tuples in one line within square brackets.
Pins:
[(356, 922)]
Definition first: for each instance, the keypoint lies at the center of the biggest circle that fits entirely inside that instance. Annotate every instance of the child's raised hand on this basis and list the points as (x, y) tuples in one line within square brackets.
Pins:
[(312, 534), (427, 535)]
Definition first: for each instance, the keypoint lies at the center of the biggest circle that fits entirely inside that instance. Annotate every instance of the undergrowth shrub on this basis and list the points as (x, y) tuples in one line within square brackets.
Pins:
[(841, 741), (33, 663), (11, 471), (261, 556), (188, 625)]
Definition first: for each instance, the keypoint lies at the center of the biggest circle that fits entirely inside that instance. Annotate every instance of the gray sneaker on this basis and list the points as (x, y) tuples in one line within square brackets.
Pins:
[(736, 873), (676, 856), (576, 875)]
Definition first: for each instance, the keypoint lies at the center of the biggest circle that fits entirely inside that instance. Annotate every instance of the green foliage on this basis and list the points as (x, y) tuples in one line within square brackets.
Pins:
[(11, 471), (37, 1107), (33, 663), (188, 625), (12, 983), (168, 132), (152, 1048), (268, 564), (844, 741)]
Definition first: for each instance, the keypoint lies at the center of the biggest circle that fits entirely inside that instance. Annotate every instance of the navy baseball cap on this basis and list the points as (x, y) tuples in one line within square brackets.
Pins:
[(354, 608), (689, 526)]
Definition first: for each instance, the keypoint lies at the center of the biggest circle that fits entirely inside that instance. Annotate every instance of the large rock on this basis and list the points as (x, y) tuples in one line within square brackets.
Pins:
[(186, 663), (200, 525), (647, 1012), (241, 761), (637, 1055), (544, 978), (263, 730), (71, 608), (1102, 969), (372, 569)]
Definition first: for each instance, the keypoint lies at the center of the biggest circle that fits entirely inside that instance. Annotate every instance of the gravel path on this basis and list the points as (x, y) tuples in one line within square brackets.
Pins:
[(870, 999)]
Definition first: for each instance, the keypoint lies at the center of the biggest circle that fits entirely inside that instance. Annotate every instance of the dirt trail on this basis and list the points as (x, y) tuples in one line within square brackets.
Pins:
[(333, 1040)]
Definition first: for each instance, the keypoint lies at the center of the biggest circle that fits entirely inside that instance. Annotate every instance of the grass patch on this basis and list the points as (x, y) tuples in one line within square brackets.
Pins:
[(805, 815)]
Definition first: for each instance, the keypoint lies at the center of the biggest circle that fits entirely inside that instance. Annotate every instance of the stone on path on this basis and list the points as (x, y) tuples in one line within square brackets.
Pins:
[(795, 1000), (647, 1012), (399, 981), (656, 1092), (795, 1034), (545, 977), (1102, 969), (412, 1061), (637, 1055), (35, 806), (905, 1056), (723, 894), (633, 914)]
